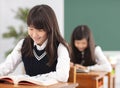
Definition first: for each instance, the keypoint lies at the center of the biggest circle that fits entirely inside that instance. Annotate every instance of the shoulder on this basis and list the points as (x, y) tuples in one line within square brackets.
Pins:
[(62, 48), (98, 48), (19, 44), (99, 51), (21, 41)]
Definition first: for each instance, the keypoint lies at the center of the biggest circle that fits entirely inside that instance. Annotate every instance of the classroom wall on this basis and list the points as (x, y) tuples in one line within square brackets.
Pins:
[(102, 16)]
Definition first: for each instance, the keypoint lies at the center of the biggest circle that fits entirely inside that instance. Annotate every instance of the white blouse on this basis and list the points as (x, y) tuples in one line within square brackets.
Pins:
[(62, 67), (102, 62)]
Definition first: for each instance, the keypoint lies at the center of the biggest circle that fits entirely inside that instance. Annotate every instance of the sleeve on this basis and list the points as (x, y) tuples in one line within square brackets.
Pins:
[(12, 60), (62, 67), (102, 62)]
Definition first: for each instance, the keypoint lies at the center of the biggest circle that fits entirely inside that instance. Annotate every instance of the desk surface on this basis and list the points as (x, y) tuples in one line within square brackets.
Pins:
[(92, 74), (58, 85)]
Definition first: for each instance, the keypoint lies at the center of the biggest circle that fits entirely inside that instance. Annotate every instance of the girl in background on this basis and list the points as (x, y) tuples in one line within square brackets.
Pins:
[(85, 54)]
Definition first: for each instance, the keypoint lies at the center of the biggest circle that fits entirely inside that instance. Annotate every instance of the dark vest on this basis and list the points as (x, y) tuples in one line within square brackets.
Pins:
[(86, 60), (34, 67)]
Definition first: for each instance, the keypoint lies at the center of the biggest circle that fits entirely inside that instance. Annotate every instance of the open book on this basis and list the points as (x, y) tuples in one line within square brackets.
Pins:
[(23, 79), (82, 70)]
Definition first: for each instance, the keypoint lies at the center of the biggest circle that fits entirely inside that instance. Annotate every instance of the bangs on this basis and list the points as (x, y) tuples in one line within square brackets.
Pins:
[(80, 34), (38, 21)]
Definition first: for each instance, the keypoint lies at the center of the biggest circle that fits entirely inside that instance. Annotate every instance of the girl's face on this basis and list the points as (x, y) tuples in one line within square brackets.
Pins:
[(38, 35), (81, 45)]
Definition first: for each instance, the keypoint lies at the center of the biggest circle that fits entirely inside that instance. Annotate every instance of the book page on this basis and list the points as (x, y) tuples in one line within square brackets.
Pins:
[(82, 70), (41, 80), (25, 79), (7, 79)]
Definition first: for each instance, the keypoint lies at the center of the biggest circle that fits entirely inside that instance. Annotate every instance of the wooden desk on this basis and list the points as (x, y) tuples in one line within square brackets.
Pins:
[(91, 79), (58, 85)]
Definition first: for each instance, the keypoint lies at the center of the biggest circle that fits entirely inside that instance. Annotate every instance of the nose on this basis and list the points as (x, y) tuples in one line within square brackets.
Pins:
[(34, 34), (80, 45)]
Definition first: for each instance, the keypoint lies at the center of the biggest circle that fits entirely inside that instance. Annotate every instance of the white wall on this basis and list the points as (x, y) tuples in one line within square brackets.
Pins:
[(7, 18)]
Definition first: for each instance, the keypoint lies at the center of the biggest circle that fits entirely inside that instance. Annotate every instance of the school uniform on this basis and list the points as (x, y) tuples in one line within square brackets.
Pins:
[(38, 67), (100, 64)]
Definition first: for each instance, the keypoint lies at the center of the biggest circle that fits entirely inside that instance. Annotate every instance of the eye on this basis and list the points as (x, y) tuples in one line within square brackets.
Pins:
[(41, 30), (29, 28)]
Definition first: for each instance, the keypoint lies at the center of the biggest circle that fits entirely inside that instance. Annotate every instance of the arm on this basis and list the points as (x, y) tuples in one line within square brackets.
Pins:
[(62, 67), (12, 60), (102, 62)]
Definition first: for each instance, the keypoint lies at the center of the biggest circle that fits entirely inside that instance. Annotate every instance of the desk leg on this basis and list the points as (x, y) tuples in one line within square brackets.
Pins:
[(98, 83), (109, 80), (95, 82)]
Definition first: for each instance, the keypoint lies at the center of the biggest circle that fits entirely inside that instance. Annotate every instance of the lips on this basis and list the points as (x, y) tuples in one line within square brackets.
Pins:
[(37, 38)]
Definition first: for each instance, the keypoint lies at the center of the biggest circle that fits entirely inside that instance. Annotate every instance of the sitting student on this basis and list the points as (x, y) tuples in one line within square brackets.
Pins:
[(43, 51), (86, 55)]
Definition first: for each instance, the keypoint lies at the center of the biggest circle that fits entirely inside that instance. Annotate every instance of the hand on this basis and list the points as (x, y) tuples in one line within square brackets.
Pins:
[(78, 66), (71, 64)]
